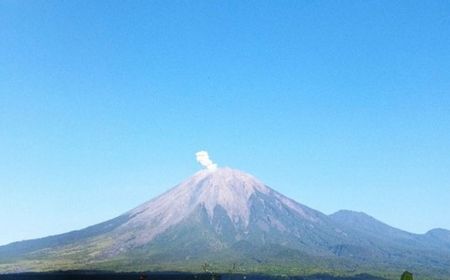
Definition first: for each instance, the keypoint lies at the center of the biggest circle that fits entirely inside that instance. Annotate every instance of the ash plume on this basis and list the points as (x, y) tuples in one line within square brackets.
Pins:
[(203, 158)]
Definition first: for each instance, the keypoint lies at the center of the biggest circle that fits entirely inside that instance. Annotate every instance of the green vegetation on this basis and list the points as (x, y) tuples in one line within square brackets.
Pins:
[(407, 276)]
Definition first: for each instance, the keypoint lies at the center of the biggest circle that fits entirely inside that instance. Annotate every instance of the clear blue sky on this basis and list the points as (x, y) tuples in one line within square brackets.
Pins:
[(337, 104)]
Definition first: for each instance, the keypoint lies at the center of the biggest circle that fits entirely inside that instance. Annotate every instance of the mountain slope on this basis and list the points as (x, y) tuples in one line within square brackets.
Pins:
[(225, 216)]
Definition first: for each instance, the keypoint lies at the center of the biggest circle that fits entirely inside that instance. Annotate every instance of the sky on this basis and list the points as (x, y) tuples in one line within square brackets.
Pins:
[(336, 104)]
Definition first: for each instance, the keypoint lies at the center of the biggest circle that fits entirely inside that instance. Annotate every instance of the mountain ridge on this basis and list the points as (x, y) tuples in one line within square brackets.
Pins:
[(227, 216)]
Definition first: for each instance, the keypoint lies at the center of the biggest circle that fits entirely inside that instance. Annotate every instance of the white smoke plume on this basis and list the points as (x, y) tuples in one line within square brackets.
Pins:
[(203, 158)]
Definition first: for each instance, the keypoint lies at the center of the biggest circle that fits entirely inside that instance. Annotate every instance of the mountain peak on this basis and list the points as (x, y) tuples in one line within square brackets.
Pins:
[(439, 233), (226, 177), (221, 172), (229, 188), (207, 189)]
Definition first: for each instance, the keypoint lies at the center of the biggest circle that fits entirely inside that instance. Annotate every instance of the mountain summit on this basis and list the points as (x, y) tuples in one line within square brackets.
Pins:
[(224, 188), (226, 204), (228, 218)]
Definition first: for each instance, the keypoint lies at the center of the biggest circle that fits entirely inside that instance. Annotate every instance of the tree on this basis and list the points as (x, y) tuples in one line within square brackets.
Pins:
[(407, 276)]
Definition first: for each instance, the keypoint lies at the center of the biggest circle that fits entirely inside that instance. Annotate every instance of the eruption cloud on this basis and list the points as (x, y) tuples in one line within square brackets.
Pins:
[(203, 158)]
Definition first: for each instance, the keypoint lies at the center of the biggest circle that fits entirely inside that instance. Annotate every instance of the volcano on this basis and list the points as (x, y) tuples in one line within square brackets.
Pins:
[(225, 219)]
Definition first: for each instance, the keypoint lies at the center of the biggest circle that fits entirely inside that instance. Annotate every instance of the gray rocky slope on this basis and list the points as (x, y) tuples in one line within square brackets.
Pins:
[(227, 216)]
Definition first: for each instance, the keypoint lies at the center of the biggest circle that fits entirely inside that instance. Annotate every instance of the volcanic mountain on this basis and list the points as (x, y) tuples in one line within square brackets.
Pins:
[(225, 219)]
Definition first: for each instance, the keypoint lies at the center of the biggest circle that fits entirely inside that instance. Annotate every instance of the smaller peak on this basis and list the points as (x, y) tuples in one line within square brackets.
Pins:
[(346, 212), (349, 216), (440, 234), (438, 231)]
